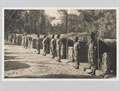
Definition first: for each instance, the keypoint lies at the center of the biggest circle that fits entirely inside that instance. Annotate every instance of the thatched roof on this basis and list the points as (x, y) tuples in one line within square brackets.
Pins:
[(110, 42), (81, 36)]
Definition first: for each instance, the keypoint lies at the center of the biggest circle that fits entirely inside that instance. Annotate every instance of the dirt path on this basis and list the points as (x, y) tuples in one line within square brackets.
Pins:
[(25, 63)]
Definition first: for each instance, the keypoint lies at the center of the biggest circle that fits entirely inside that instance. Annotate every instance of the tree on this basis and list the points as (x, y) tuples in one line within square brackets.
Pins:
[(102, 22)]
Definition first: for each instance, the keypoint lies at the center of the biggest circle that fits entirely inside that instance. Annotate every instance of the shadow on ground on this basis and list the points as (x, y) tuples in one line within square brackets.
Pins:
[(13, 65), (8, 43), (10, 57), (59, 76)]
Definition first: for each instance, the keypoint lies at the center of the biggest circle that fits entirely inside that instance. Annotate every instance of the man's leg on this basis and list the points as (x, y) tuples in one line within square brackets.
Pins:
[(44, 50), (39, 51), (93, 68), (52, 53), (58, 55), (77, 64)]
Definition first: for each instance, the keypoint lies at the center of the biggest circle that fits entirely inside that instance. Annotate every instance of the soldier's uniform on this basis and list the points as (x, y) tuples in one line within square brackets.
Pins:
[(23, 41), (26, 42), (58, 48), (92, 54), (76, 49), (15, 39), (38, 45), (63, 48), (12, 37), (30, 42), (44, 42), (53, 47)]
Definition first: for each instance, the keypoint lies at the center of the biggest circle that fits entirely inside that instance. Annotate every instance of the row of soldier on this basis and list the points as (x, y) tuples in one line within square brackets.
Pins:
[(94, 54), (55, 46)]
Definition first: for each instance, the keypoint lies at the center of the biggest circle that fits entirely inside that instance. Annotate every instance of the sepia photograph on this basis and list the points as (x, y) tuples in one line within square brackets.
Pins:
[(60, 43)]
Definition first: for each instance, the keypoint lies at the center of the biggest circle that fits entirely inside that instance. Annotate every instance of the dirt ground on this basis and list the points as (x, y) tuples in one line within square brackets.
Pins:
[(26, 63)]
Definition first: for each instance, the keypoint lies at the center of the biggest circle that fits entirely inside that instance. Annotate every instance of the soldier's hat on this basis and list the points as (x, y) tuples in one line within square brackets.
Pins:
[(76, 39), (92, 35)]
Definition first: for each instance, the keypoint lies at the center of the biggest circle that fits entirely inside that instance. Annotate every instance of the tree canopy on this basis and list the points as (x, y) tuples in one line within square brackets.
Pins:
[(102, 22)]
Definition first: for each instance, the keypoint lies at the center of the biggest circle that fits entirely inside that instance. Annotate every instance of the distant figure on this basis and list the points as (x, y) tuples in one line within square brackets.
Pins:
[(12, 37), (64, 48), (44, 42), (23, 40), (30, 42), (53, 46), (15, 38), (26, 41), (58, 48), (38, 43), (76, 49), (92, 53)]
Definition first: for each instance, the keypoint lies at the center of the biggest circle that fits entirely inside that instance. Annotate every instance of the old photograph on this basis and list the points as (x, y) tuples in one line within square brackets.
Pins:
[(60, 43)]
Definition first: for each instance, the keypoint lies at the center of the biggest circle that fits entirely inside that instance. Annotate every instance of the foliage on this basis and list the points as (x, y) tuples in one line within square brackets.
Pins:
[(102, 22)]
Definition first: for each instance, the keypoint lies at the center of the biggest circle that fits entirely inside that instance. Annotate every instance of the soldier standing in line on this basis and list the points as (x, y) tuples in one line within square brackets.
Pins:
[(44, 42), (92, 53), (76, 49), (26, 41), (11, 40), (53, 46), (58, 48), (30, 42), (38, 43), (63, 48), (23, 40), (15, 39)]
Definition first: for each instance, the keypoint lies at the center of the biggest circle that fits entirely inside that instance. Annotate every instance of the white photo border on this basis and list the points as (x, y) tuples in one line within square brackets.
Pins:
[(46, 79)]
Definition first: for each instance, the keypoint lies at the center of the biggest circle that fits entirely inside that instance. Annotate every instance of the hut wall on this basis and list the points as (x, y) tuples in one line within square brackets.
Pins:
[(83, 53), (111, 43)]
